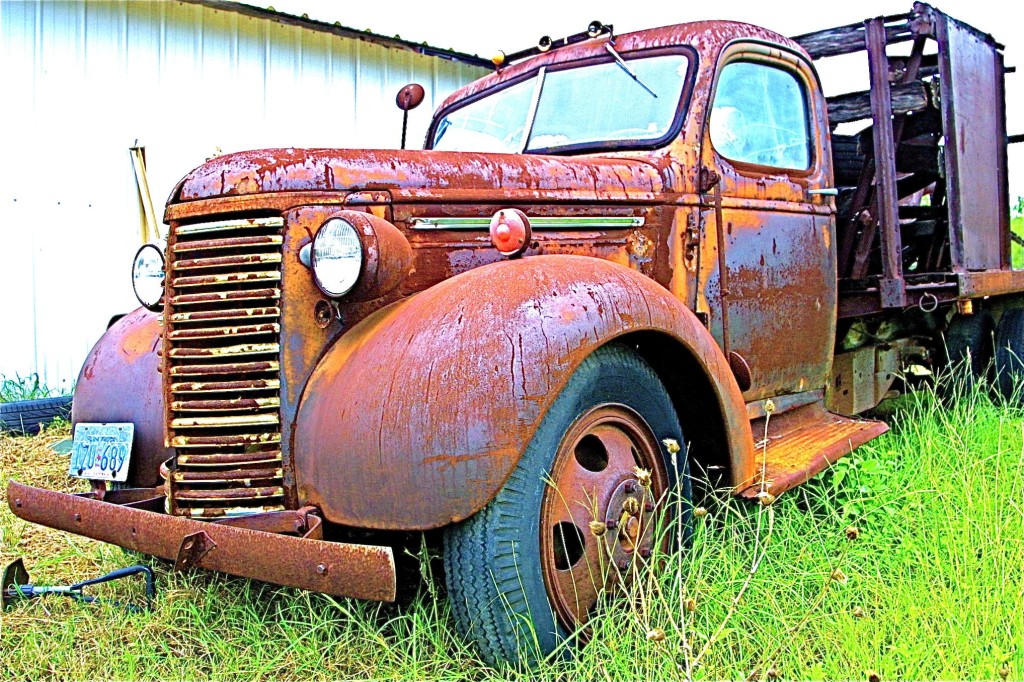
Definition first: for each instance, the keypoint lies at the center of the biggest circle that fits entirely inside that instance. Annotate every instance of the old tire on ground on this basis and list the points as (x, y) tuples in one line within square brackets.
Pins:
[(524, 573), (969, 346), (26, 417), (1010, 355)]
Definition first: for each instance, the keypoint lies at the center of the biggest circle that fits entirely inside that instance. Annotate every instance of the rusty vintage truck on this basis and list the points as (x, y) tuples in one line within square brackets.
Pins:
[(616, 258)]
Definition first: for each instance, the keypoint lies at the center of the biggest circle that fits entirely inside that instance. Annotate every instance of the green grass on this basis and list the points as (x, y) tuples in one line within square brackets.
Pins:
[(1016, 250), (930, 587), (24, 388)]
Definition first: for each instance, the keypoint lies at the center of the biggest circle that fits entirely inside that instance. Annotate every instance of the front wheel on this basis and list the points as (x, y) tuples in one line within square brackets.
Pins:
[(526, 572)]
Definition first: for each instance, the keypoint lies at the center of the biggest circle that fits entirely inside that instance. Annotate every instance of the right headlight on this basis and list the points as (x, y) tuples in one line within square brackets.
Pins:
[(148, 276), (337, 257)]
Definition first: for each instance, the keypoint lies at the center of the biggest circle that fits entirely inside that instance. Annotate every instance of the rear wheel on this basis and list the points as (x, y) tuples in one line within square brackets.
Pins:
[(526, 572), (969, 346), (1009, 359)]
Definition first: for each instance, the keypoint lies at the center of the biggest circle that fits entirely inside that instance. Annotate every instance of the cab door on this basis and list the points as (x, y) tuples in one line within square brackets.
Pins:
[(768, 253)]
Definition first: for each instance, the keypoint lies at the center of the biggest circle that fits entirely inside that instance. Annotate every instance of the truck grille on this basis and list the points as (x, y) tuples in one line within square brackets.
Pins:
[(222, 367)]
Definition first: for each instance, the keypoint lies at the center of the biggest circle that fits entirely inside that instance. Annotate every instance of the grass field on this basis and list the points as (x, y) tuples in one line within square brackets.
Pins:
[(906, 560), (1016, 250)]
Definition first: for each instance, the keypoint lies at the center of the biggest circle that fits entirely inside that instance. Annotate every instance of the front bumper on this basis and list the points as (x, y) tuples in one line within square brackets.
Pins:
[(253, 547)]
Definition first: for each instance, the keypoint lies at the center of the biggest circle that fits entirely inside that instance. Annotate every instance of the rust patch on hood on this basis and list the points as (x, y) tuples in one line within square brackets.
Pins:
[(420, 174)]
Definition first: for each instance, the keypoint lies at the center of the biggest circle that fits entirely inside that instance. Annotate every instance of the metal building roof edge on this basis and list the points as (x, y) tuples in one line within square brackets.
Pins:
[(342, 31)]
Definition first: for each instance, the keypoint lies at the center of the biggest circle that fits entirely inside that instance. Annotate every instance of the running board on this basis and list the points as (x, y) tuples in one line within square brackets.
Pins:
[(802, 443)]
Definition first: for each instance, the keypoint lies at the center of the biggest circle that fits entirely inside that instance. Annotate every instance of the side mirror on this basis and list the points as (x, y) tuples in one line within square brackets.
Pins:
[(409, 97)]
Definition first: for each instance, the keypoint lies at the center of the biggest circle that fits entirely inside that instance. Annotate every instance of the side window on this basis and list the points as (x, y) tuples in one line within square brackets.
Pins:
[(760, 116)]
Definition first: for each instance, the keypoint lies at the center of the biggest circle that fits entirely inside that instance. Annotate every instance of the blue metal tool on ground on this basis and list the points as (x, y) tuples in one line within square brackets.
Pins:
[(16, 586)]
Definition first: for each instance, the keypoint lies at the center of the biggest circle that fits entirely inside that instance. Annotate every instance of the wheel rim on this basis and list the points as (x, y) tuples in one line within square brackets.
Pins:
[(596, 477)]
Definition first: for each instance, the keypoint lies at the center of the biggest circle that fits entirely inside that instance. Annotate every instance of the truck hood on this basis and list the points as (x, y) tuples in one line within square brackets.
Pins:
[(423, 175)]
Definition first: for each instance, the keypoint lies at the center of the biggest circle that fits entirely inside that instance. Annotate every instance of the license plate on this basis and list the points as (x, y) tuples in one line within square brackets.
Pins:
[(102, 451)]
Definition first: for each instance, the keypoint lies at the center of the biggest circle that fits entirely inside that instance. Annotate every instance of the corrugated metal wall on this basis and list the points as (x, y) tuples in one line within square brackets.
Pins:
[(81, 81)]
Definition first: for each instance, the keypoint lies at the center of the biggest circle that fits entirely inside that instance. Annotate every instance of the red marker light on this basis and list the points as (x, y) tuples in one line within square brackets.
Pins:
[(510, 231)]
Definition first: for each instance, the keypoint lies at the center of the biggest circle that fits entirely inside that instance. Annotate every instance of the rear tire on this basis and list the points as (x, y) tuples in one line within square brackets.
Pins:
[(969, 347), (1010, 355), (517, 571)]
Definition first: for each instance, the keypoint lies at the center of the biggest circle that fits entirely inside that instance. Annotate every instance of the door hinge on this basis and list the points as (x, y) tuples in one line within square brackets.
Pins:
[(707, 178)]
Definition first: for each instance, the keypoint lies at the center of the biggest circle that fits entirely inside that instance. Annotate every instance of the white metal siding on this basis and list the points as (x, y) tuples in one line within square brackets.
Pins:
[(81, 81)]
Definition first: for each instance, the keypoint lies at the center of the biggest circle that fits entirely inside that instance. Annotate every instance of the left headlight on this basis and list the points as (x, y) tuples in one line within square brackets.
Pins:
[(148, 276), (337, 257)]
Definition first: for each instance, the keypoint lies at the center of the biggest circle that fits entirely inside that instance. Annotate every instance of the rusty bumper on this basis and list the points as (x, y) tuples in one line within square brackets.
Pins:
[(347, 570)]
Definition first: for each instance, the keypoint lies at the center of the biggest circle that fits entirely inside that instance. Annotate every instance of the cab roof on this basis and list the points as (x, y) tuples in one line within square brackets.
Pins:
[(706, 37)]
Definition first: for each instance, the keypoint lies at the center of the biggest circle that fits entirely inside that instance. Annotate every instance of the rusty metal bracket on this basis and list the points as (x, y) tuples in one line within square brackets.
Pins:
[(193, 548), (707, 179), (305, 522), (149, 499)]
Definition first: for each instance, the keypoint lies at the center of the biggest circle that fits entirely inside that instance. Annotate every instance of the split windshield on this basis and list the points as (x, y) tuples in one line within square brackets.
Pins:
[(584, 107)]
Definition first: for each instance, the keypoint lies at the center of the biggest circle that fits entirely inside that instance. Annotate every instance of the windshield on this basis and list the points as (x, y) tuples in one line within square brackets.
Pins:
[(588, 106)]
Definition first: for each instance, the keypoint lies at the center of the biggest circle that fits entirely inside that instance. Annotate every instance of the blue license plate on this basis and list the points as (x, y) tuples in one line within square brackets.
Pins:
[(102, 451)]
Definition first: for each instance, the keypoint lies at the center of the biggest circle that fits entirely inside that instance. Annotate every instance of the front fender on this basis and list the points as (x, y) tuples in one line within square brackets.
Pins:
[(120, 382), (416, 417)]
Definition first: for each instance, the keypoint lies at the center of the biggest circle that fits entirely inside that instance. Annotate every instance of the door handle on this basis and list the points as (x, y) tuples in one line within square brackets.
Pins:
[(825, 191)]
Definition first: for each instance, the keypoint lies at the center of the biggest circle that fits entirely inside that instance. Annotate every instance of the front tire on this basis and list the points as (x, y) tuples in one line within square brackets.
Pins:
[(525, 573)]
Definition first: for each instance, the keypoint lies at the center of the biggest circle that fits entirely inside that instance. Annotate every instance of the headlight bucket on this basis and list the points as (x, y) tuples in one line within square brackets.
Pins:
[(385, 258), (148, 277)]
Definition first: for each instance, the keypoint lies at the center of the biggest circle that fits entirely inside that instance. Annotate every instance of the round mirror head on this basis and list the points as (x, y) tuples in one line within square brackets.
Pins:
[(410, 97)]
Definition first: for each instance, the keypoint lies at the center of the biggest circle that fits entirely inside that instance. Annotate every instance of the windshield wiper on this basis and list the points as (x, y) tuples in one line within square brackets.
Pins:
[(531, 116), (625, 67)]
